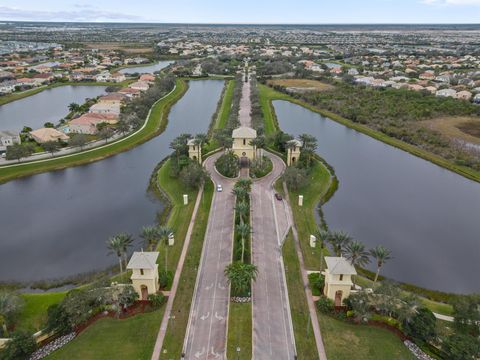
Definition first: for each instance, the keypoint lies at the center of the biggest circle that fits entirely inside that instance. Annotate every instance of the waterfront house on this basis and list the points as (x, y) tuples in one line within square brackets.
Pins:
[(129, 92), (87, 123), (44, 135), (105, 108), (140, 85), (144, 273), (147, 78), (8, 138), (112, 99), (118, 77), (338, 279)]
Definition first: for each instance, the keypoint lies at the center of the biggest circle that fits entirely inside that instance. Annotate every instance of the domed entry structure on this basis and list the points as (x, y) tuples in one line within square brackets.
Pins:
[(242, 147)]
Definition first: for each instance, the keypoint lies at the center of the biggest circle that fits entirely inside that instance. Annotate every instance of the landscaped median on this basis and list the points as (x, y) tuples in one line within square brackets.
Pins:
[(155, 124)]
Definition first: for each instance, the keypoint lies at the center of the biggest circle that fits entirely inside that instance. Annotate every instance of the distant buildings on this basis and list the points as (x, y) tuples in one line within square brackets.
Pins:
[(8, 138)]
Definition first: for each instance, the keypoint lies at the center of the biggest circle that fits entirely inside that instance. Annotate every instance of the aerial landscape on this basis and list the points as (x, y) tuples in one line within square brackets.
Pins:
[(275, 180)]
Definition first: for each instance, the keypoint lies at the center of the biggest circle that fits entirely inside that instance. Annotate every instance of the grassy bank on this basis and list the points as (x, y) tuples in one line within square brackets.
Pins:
[(5, 99), (239, 331), (34, 313), (180, 214), (177, 326), (109, 338), (155, 124), (267, 94), (302, 325)]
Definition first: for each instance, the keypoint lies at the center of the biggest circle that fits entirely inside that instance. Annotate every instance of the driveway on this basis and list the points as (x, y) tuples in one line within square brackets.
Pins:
[(207, 328), (272, 326)]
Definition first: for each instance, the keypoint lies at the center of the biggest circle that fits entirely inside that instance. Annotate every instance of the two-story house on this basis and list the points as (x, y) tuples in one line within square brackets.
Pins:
[(8, 138), (338, 279)]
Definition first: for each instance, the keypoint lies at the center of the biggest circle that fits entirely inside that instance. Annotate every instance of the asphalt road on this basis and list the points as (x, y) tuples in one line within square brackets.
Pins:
[(272, 328), (207, 329)]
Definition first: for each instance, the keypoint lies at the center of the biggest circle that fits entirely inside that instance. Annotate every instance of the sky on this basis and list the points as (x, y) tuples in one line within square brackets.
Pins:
[(245, 11)]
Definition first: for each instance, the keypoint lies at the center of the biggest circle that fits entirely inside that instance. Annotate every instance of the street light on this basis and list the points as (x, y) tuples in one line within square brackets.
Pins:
[(238, 353)]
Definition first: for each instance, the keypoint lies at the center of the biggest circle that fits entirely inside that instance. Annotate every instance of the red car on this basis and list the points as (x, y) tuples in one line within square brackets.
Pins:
[(278, 196)]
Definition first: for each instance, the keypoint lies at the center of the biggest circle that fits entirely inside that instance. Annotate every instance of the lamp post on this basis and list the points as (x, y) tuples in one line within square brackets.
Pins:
[(238, 353)]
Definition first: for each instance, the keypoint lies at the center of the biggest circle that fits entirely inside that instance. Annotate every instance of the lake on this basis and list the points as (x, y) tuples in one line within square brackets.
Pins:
[(426, 215), (56, 224), (50, 105), (142, 69)]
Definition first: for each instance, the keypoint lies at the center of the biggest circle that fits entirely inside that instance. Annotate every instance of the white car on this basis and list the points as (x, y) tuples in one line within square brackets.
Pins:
[(219, 188)]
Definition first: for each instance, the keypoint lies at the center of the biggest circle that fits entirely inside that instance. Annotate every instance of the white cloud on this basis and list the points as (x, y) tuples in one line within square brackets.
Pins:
[(451, 2), (85, 13)]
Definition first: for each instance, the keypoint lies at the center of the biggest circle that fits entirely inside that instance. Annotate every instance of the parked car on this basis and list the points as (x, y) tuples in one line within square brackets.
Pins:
[(219, 188), (278, 197)]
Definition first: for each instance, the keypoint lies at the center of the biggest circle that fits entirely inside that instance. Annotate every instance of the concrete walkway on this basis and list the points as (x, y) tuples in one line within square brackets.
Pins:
[(173, 291)]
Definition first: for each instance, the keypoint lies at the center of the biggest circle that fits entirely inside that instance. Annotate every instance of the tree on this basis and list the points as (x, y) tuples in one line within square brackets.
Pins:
[(150, 235), (123, 126), (10, 307), (242, 209), (308, 148), (461, 347), (118, 245), (18, 151), (243, 230), (200, 139), (127, 297), (21, 346), (466, 313), (422, 325), (245, 184), (49, 124), (360, 304), (228, 164), (295, 178), (58, 320), (73, 107), (356, 253), (381, 255), (322, 236), (163, 234), (193, 175), (51, 146), (105, 134), (78, 140), (339, 241), (240, 276)]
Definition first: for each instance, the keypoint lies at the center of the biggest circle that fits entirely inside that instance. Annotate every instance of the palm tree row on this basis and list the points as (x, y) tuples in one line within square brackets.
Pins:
[(355, 251), (152, 235)]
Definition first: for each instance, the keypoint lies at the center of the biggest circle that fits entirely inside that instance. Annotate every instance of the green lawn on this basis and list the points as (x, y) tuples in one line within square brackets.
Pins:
[(180, 214), (344, 341), (156, 123), (302, 325), (131, 338), (266, 95), (173, 341), (34, 313), (239, 331)]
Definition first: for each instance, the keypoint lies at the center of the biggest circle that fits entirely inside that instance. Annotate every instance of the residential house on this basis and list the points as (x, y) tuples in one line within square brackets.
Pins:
[(118, 77), (149, 78), (105, 108), (44, 135), (129, 92), (140, 85), (8, 138)]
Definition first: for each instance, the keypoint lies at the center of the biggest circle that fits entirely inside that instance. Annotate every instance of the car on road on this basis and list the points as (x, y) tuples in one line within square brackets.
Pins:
[(219, 188), (278, 197)]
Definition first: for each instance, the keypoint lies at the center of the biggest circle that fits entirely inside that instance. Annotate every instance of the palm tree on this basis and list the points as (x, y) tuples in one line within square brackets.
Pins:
[(201, 139), (339, 240), (243, 230), (309, 146), (73, 107), (150, 235), (240, 276), (356, 253), (256, 144), (239, 192), (127, 242), (381, 255), (245, 184), (163, 234), (242, 209), (115, 245), (322, 236)]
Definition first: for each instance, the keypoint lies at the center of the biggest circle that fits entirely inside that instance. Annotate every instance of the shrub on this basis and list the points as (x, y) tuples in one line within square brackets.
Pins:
[(422, 326), (228, 165), (156, 300), (127, 297), (193, 175), (20, 347), (295, 178), (317, 282), (461, 347), (165, 278), (386, 320), (58, 320), (325, 305)]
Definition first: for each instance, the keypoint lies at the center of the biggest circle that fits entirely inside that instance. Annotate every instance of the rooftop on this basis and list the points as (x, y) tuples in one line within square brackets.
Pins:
[(339, 266), (143, 260), (244, 132)]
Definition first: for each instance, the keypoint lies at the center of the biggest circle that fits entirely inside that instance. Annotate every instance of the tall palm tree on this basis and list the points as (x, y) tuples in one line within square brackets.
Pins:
[(356, 253), (239, 192), (245, 184), (322, 236), (201, 139), (115, 245), (73, 107), (163, 233), (243, 230), (240, 276), (127, 242), (150, 235), (381, 255), (339, 240), (242, 209), (309, 146)]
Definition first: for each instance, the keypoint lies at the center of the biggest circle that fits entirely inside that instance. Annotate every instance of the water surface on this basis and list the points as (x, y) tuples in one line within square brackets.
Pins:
[(142, 69), (427, 216), (50, 105), (56, 224)]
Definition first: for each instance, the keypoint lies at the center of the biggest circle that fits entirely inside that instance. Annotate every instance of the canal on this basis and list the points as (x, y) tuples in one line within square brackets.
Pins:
[(56, 224), (143, 69), (50, 105), (426, 215)]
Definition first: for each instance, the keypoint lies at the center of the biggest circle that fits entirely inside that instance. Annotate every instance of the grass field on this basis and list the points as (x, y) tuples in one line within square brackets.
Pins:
[(344, 341), (239, 331), (462, 128), (108, 338), (177, 326), (156, 123), (304, 84), (302, 325), (34, 313), (180, 214)]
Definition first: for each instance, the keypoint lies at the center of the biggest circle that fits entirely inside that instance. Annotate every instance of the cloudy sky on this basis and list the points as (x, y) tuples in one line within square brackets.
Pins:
[(246, 11)]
